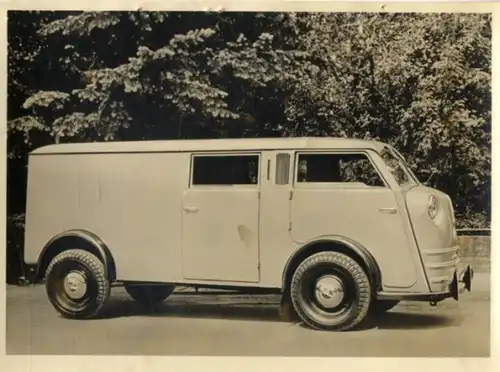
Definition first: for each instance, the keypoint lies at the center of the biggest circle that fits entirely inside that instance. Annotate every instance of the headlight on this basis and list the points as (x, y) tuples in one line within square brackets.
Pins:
[(432, 206)]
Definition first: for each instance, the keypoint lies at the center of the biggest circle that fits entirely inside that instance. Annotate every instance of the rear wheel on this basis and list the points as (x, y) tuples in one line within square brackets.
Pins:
[(330, 291), (76, 284), (149, 294)]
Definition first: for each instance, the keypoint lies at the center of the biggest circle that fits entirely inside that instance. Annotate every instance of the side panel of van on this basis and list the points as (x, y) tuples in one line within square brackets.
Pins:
[(131, 201), (52, 197)]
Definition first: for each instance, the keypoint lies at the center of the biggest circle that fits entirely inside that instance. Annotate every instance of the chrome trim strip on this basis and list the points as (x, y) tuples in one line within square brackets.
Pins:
[(439, 251), (440, 280), (443, 265)]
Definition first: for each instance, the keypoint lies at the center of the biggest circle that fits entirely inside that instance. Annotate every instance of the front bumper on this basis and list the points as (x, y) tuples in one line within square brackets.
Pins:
[(461, 281)]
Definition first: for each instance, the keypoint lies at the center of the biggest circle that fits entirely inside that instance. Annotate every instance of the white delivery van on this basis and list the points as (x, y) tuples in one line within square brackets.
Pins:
[(339, 227)]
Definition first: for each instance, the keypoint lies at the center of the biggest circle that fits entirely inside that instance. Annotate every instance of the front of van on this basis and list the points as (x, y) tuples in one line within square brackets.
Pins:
[(432, 220)]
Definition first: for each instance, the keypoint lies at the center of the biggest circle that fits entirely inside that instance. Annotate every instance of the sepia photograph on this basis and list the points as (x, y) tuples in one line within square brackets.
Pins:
[(248, 183)]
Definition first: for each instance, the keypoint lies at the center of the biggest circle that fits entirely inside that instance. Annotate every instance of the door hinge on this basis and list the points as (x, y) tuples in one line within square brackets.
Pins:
[(291, 195), (290, 226)]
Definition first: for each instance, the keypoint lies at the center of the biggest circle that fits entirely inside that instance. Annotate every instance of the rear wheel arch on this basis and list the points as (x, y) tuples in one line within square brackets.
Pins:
[(76, 239), (335, 244)]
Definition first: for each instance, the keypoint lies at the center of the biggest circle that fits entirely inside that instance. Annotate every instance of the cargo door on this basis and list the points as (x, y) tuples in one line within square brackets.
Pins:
[(220, 218)]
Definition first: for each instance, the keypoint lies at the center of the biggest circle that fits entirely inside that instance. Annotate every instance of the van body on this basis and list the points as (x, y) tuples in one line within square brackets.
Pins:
[(242, 214)]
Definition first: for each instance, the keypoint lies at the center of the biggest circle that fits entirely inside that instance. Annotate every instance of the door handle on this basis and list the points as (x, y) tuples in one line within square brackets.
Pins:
[(190, 209), (388, 210)]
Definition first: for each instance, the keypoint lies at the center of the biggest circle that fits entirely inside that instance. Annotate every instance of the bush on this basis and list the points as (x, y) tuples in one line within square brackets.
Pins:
[(473, 221)]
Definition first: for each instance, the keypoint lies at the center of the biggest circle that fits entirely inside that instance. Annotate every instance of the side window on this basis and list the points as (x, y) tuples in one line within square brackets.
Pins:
[(225, 170), (337, 168), (282, 169)]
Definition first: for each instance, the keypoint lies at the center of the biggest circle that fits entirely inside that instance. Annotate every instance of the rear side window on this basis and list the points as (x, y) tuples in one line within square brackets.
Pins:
[(225, 170), (337, 168)]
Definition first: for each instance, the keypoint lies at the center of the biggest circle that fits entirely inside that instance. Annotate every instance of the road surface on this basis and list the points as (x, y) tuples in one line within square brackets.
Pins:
[(209, 325)]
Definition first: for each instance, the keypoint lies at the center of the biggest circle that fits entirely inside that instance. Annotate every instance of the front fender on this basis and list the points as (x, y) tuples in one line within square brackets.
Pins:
[(335, 243)]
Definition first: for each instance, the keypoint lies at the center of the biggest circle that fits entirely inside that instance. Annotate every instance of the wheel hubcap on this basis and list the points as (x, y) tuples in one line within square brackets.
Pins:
[(75, 285), (329, 291)]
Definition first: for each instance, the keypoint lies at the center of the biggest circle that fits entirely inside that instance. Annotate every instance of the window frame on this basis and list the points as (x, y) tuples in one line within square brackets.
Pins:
[(194, 155), (328, 185), (405, 167)]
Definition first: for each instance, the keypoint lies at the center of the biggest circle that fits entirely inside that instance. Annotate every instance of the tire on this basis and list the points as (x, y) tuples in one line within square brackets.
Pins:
[(346, 277), (149, 294), (71, 299), (379, 307)]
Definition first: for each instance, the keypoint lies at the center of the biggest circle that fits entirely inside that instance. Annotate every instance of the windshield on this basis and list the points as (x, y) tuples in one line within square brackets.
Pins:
[(398, 167)]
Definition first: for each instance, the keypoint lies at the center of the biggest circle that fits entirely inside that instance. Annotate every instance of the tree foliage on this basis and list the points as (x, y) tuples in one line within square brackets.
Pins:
[(419, 81)]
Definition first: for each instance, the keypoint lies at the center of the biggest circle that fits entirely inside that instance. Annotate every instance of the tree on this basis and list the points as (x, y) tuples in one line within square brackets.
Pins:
[(419, 81), (161, 68)]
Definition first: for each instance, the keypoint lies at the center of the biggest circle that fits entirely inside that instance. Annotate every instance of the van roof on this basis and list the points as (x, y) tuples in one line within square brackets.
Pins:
[(227, 144)]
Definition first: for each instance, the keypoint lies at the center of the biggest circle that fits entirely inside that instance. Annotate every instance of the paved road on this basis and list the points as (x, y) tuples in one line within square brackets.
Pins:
[(246, 326)]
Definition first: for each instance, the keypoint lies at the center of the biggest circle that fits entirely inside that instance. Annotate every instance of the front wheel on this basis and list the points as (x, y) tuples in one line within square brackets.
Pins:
[(149, 294), (330, 291), (76, 284)]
